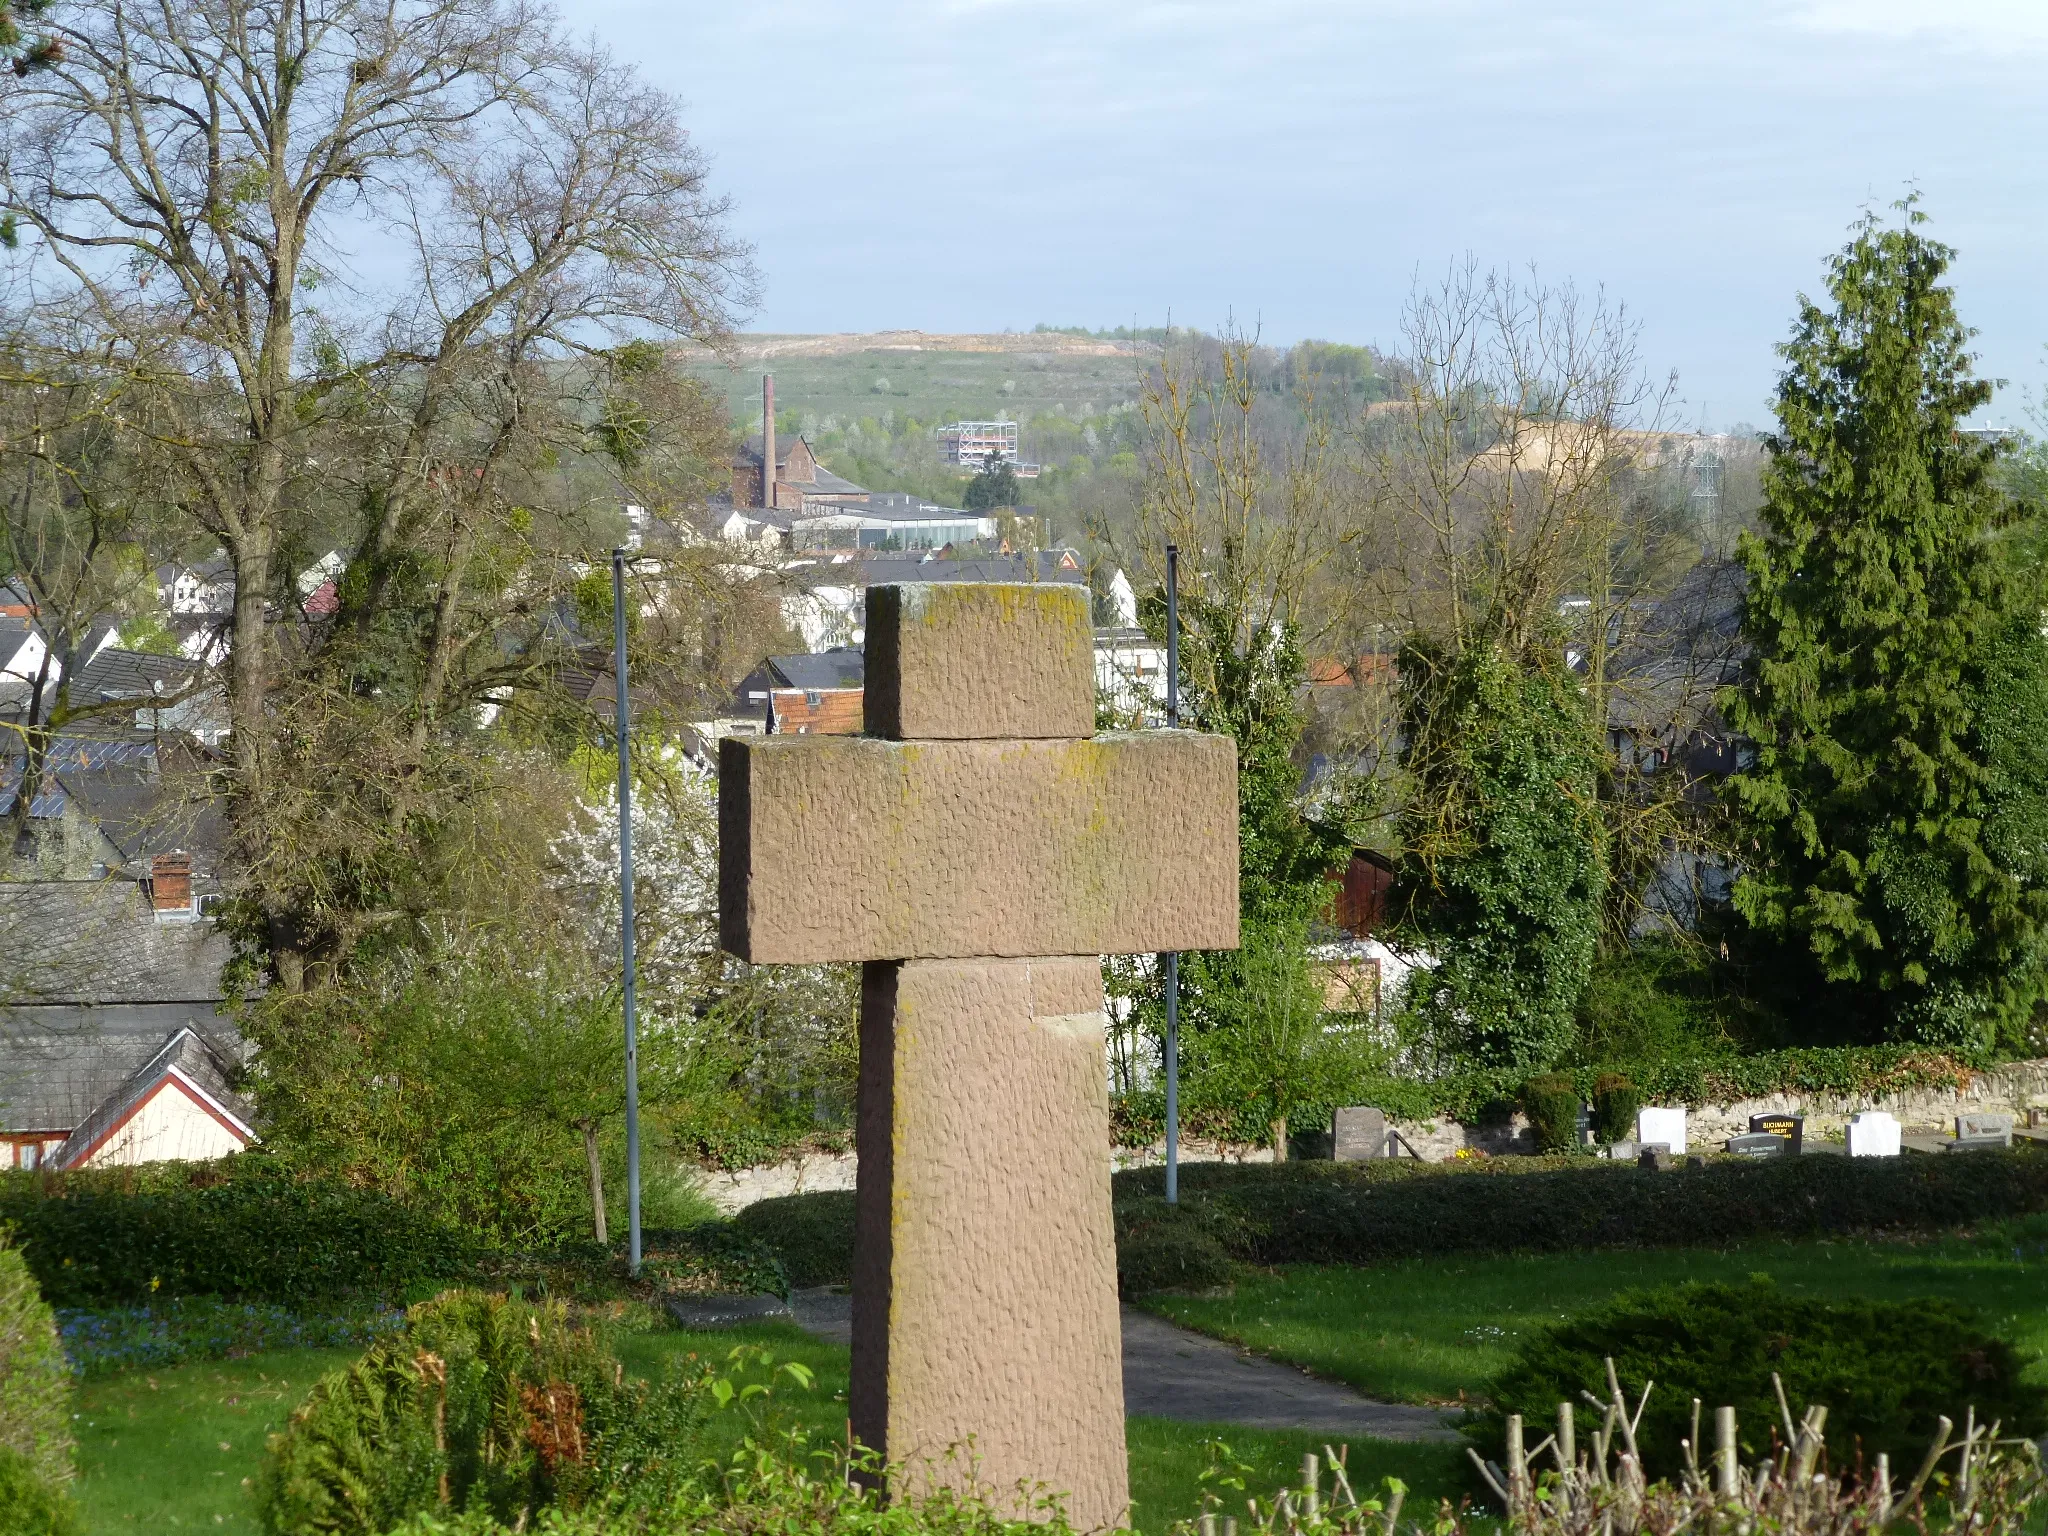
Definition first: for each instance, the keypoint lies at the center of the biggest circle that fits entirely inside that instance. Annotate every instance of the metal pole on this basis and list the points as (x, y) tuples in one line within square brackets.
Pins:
[(626, 910), (1170, 963)]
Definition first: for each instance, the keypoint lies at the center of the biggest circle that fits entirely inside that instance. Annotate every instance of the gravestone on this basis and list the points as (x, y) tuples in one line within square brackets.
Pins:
[(979, 850), (1657, 1159), (1791, 1127), (1980, 1132), (1358, 1133), (1873, 1133), (1758, 1144), (1620, 1151), (1662, 1127)]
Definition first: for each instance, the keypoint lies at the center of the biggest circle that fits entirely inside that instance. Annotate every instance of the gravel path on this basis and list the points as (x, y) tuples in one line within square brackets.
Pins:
[(1169, 1373)]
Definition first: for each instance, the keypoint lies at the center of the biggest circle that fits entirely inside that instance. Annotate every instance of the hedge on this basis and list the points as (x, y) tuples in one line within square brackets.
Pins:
[(1885, 1369), (812, 1234), (1371, 1213), (244, 1227)]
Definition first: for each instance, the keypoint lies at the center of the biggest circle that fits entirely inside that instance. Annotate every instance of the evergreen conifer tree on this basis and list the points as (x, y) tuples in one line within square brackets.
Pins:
[(1889, 650)]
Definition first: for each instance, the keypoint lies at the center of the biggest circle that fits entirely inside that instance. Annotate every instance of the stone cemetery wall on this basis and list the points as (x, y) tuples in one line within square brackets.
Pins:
[(2012, 1089)]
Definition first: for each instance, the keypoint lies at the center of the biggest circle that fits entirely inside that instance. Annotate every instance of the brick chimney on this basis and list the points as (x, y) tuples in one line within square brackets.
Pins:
[(767, 439), (170, 883)]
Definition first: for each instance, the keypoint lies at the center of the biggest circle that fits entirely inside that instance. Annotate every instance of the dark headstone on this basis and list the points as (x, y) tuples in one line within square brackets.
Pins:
[(1791, 1127), (1758, 1144), (1358, 1134), (1657, 1159)]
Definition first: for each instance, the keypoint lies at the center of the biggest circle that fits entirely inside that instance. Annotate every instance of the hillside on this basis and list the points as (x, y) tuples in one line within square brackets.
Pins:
[(827, 382)]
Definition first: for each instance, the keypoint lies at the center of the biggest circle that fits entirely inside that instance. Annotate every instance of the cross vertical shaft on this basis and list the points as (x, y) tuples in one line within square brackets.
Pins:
[(980, 850)]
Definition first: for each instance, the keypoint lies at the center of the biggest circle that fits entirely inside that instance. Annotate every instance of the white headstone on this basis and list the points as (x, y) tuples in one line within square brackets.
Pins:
[(1873, 1134), (1662, 1127)]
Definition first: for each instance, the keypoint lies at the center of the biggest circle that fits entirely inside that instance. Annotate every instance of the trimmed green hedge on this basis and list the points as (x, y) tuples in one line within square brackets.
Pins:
[(1885, 1369), (242, 1227), (1370, 1213), (35, 1406), (812, 1234)]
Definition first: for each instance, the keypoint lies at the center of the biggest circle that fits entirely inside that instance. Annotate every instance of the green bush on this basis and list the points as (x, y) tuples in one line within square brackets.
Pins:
[(1552, 1104), (485, 1404), (1616, 1102), (1161, 1247), (35, 1408), (713, 1258), (1886, 1370), (30, 1504), (244, 1227), (812, 1234), (1373, 1213)]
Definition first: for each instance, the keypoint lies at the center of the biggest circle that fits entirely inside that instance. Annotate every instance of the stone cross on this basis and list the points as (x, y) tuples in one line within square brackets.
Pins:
[(979, 849)]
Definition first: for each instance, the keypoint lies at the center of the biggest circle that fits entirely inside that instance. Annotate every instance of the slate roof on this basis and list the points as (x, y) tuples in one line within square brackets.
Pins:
[(140, 675), (92, 942), (60, 1065), (205, 1064), (840, 667)]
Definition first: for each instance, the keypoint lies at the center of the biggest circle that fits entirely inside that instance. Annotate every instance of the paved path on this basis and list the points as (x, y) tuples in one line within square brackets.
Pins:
[(1169, 1373)]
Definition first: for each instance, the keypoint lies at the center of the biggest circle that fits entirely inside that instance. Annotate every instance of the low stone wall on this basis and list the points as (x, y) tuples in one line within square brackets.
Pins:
[(2011, 1089), (734, 1189)]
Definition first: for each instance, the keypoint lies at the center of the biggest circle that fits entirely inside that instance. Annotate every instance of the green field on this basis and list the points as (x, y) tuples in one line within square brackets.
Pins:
[(826, 392), (1435, 1331)]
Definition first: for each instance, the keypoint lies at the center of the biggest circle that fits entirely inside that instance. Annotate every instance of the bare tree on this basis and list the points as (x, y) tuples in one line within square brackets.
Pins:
[(198, 187), (1519, 497)]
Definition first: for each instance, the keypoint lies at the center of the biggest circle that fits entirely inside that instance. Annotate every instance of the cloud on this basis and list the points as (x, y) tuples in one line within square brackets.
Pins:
[(1971, 25)]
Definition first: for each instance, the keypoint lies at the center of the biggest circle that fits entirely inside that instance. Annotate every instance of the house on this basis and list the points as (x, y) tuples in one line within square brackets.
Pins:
[(203, 590), (113, 1048), (1360, 971)]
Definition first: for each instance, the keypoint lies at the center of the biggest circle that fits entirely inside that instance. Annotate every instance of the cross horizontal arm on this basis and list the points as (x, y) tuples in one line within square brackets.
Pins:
[(849, 848)]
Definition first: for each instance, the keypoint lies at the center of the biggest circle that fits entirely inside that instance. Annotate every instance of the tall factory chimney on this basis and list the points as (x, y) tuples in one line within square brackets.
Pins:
[(767, 439)]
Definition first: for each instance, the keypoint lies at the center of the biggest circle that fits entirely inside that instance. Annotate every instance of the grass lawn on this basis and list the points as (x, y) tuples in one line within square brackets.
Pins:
[(176, 1449), (179, 1448), (1434, 1331)]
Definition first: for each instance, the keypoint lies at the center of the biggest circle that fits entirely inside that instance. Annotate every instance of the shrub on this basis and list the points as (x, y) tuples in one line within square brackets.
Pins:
[(713, 1257), (243, 1227), (1371, 1213), (30, 1504), (1552, 1104), (1886, 1370), (812, 1234), (1161, 1247), (1616, 1102), (484, 1403), (35, 1385)]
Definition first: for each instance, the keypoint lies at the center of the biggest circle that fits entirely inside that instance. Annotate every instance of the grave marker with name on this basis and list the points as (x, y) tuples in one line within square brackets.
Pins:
[(1791, 1127), (1358, 1133), (1983, 1131), (978, 851), (1759, 1144)]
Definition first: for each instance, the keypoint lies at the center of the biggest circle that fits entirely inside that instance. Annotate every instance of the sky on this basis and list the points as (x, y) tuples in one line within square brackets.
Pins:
[(1298, 165)]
